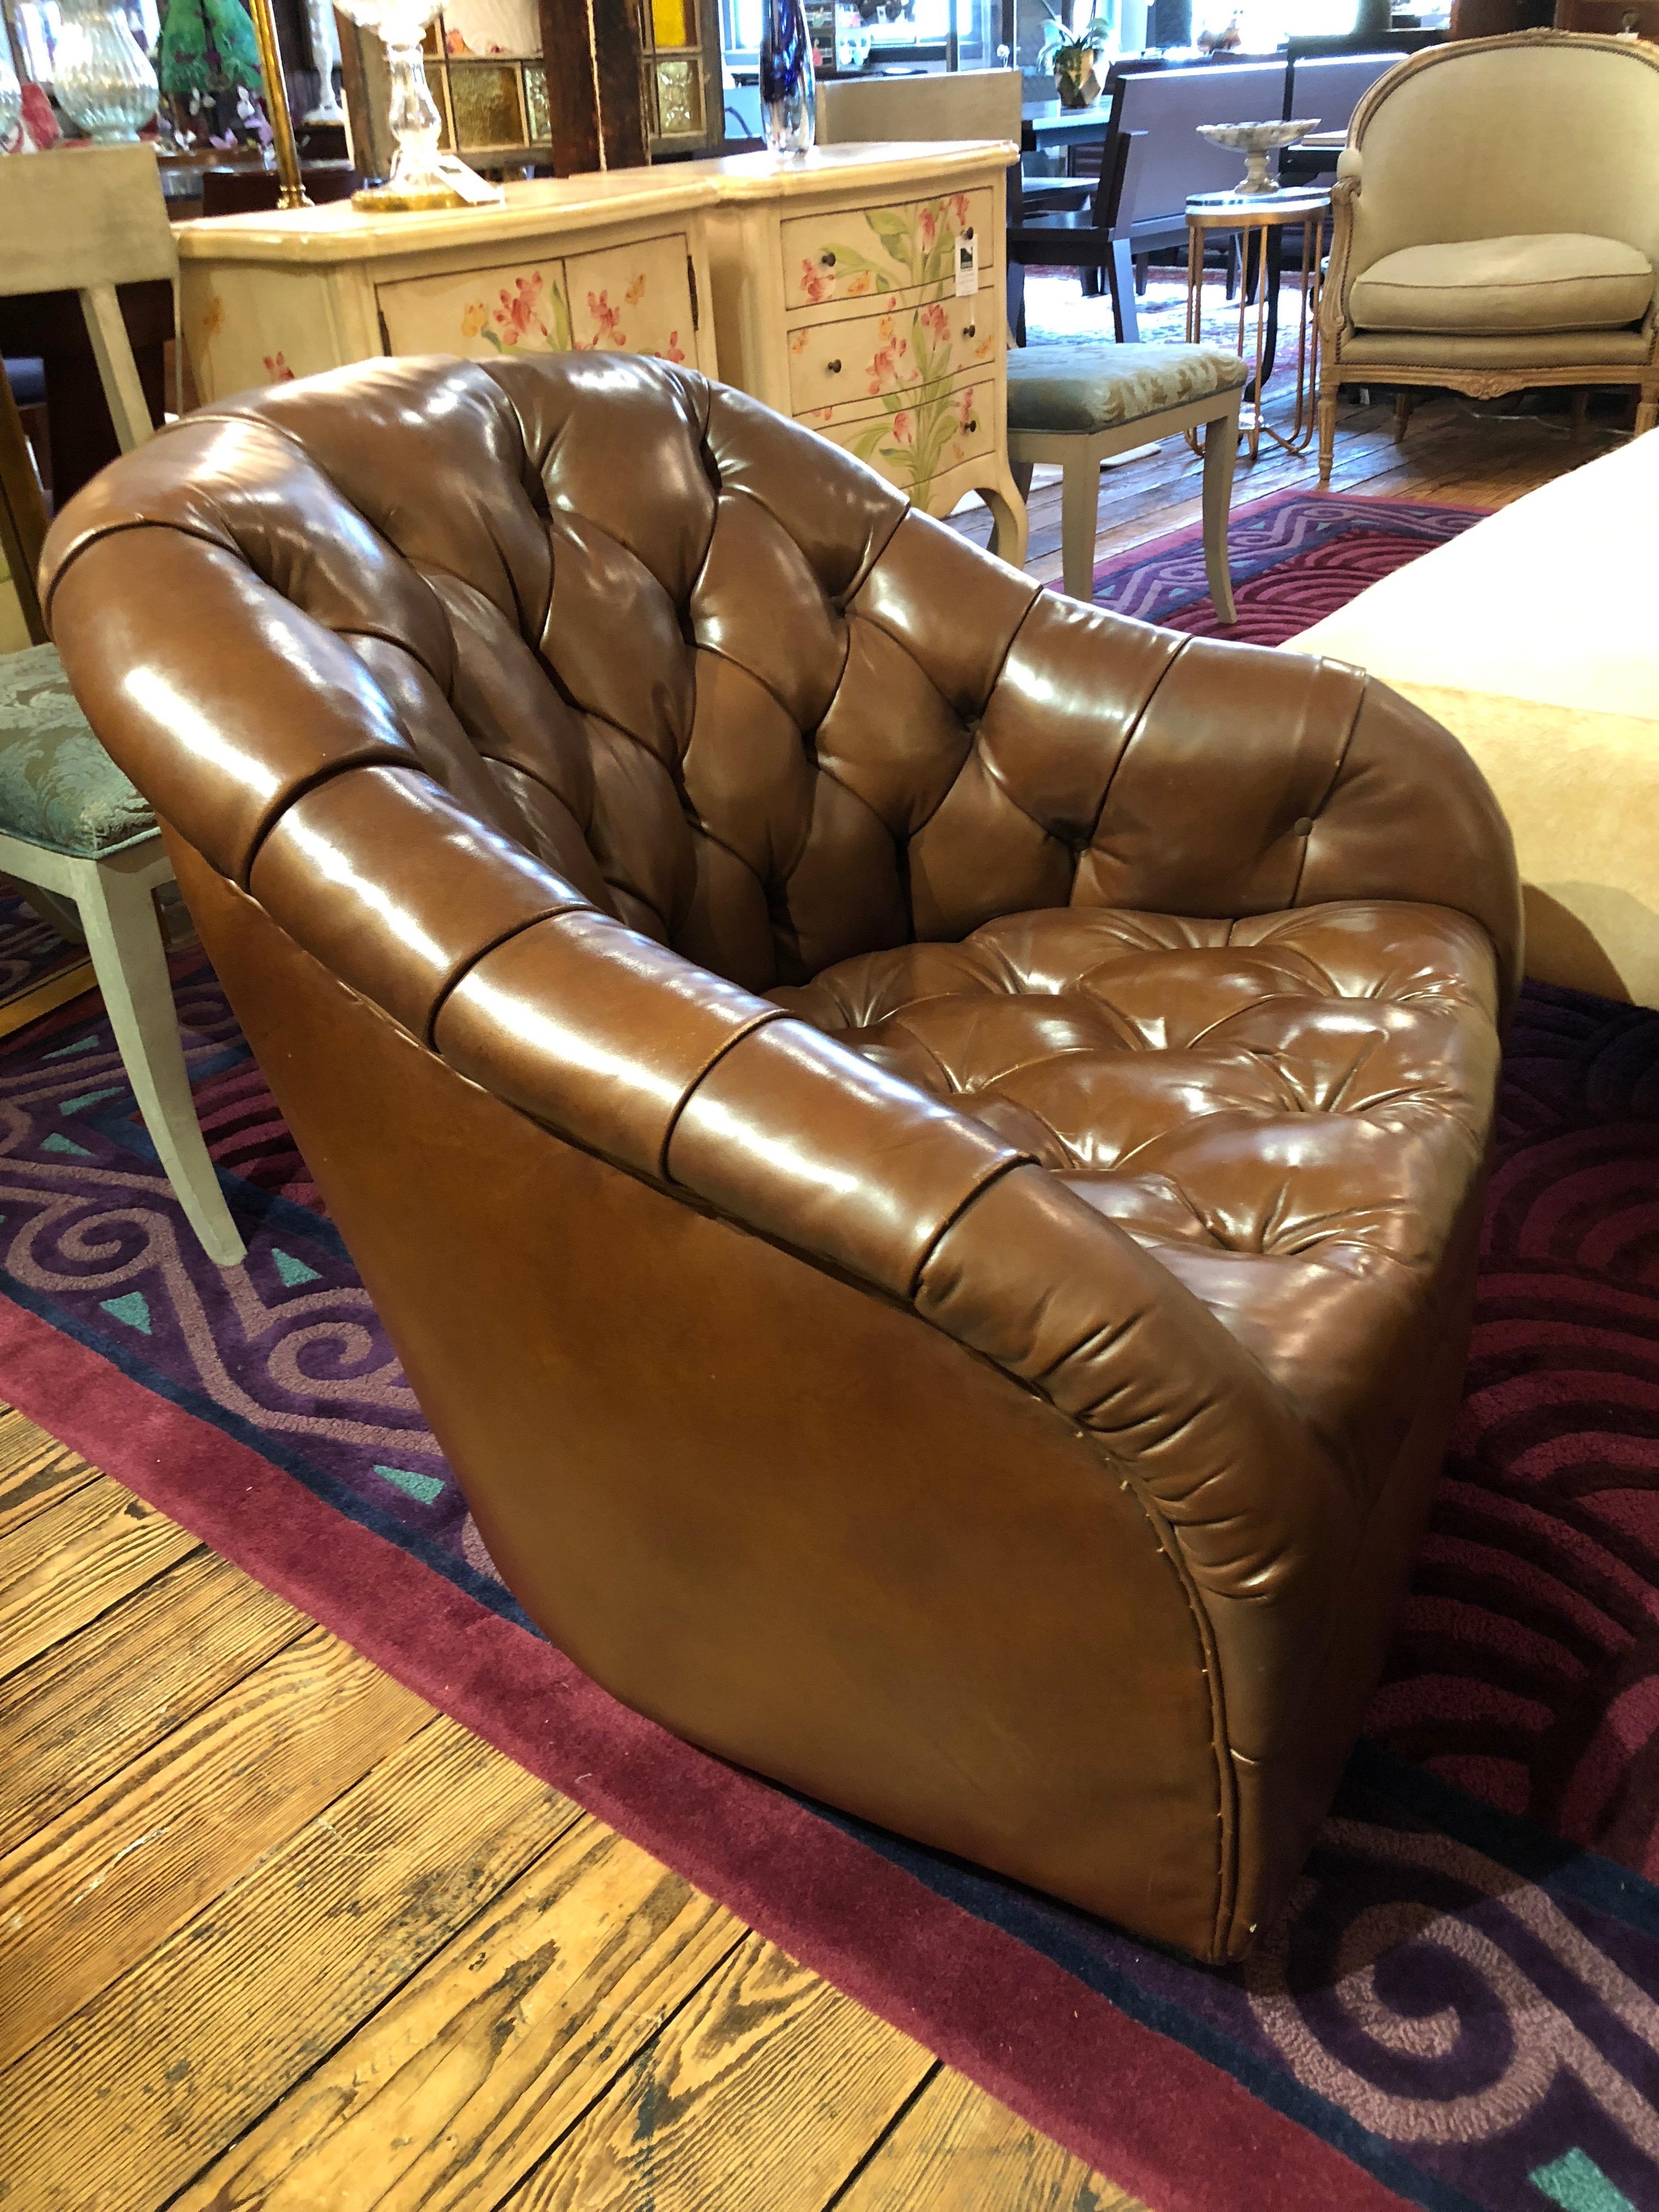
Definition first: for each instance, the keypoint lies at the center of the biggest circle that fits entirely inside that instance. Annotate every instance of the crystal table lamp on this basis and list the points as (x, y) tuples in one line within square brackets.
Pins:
[(422, 178)]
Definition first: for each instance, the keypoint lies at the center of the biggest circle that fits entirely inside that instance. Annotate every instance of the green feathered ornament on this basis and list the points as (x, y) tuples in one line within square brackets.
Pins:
[(207, 53)]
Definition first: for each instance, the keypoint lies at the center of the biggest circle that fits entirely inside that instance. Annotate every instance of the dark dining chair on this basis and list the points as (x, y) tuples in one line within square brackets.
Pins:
[(1079, 228)]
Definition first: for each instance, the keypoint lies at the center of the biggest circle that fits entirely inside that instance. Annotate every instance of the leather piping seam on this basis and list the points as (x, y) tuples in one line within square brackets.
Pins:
[(294, 792), (1129, 737), (976, 714), (972, 735), (762, 1020), (995, 775), (97, 535), (861, 575), (1004, 657), (720, 653), (458, 975), (1226, 1780), (994, 1173), (1335, 778), (398, 644), (725, 845), (292, 438), (469, 961)]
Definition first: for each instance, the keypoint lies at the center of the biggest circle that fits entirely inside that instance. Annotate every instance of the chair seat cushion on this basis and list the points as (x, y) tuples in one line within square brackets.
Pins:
[(58, 787), (1288, 1111), (1564, 281), (1096, 388)]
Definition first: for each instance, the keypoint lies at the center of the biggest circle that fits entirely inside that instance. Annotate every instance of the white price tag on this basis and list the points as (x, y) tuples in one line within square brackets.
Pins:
[(967, 264)]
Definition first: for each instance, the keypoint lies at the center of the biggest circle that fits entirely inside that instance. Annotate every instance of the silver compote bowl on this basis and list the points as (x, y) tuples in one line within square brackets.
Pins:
[(1255, 140)]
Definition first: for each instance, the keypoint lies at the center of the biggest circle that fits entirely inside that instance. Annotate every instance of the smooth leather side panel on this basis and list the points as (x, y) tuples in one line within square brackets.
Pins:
[(784, 1518)]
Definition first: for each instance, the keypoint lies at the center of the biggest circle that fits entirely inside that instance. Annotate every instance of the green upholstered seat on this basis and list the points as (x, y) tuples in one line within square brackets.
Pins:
[(58, 787), (1061, 388)]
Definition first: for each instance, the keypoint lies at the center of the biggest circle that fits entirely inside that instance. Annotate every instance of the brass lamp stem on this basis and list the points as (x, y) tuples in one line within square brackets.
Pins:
[(290, 191)]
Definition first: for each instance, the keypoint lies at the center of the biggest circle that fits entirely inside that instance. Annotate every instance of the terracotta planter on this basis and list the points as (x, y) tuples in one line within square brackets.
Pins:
[(1074, 77)]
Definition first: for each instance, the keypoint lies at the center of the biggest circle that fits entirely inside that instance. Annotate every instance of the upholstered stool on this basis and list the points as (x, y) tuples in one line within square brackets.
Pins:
[(1080, 404), (72, 827)]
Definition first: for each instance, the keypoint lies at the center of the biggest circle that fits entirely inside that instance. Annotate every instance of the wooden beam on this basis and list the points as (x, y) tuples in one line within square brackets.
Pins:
[(595, 91), (23, 511)]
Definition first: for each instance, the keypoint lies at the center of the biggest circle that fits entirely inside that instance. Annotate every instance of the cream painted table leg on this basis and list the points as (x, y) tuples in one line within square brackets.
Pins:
[(1010, 527), (1079, 518), (129, 960), (1220, 457)]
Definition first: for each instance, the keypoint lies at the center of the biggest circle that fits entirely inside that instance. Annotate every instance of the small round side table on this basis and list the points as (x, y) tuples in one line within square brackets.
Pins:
[(1260, 219)]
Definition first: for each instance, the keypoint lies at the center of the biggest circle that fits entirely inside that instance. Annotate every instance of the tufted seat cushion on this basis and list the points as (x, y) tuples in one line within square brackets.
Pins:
[(1547, 282), (920, 1143), (1278, 1108), (1096, 387)]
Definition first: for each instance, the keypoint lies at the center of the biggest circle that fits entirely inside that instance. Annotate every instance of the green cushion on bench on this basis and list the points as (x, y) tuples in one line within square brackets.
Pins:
[(1060, 388), (58, 787)]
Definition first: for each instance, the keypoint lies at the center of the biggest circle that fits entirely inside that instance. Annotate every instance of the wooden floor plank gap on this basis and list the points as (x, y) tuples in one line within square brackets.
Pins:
[(886, 2136)]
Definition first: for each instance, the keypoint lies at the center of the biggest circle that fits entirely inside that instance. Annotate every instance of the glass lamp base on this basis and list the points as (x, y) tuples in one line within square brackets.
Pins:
[(404, 199)]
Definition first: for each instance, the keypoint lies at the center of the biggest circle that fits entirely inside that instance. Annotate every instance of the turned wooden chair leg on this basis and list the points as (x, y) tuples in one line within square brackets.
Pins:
[(1647, 415), (129, 961), (1079, 515), (1403, 404), (1326, 436), (1580, 410), (1220, 455)]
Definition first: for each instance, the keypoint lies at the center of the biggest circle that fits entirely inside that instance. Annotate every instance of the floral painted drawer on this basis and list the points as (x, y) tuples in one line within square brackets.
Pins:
[(842, 364), (913, 440), (864, 253), (630, 299)]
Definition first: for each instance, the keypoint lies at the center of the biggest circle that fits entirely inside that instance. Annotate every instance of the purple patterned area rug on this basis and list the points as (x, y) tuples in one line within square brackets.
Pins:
[(1294, 558), (1462, 2006), (32, 953), (1459, 2008)]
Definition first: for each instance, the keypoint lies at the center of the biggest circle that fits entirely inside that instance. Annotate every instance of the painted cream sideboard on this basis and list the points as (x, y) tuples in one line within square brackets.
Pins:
[(837, 300), (613, 261), (827, 287)]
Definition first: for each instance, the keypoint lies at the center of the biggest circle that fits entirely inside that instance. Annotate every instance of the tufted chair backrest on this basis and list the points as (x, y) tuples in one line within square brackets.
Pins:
[(1541, 130), (713, 673)]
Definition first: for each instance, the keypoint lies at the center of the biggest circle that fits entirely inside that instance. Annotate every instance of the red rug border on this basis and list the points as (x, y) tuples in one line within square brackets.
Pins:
[(1226, 2150), (1191, 533)]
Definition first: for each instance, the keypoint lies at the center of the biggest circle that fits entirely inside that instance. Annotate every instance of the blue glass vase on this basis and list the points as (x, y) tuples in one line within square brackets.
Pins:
[(788, 95)]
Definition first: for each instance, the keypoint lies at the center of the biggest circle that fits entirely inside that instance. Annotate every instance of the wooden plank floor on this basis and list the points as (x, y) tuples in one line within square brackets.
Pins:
[(274, 1933)]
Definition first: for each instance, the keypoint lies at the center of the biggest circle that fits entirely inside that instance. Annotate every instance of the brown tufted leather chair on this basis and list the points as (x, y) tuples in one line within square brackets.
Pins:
[(920, 1144)]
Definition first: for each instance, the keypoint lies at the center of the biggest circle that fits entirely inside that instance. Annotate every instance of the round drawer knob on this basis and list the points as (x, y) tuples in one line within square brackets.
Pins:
[(827, 260), (832, 368), (972, 423), (968, 232), (969, 331)]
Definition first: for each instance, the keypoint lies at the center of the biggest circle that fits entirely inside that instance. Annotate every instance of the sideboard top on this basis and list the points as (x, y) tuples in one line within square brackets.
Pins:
[(339, 232)]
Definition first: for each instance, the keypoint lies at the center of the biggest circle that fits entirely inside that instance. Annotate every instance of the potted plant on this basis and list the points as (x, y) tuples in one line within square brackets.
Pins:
[(1072, 54)]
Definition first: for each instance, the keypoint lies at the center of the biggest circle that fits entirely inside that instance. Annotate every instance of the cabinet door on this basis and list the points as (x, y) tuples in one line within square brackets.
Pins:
[(629, 299), (517, 307), (633, 299)]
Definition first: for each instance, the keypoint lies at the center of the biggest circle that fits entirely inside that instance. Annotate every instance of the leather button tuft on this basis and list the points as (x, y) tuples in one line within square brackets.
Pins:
[(1303, 827)]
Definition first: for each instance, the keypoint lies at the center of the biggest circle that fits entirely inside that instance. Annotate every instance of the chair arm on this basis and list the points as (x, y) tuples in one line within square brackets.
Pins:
[(1334, 320), (1192, 777), (621, 1046)]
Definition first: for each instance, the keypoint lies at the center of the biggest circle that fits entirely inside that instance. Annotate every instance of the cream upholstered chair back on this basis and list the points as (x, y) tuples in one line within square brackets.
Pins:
[(960, 104), (1547, 130)]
